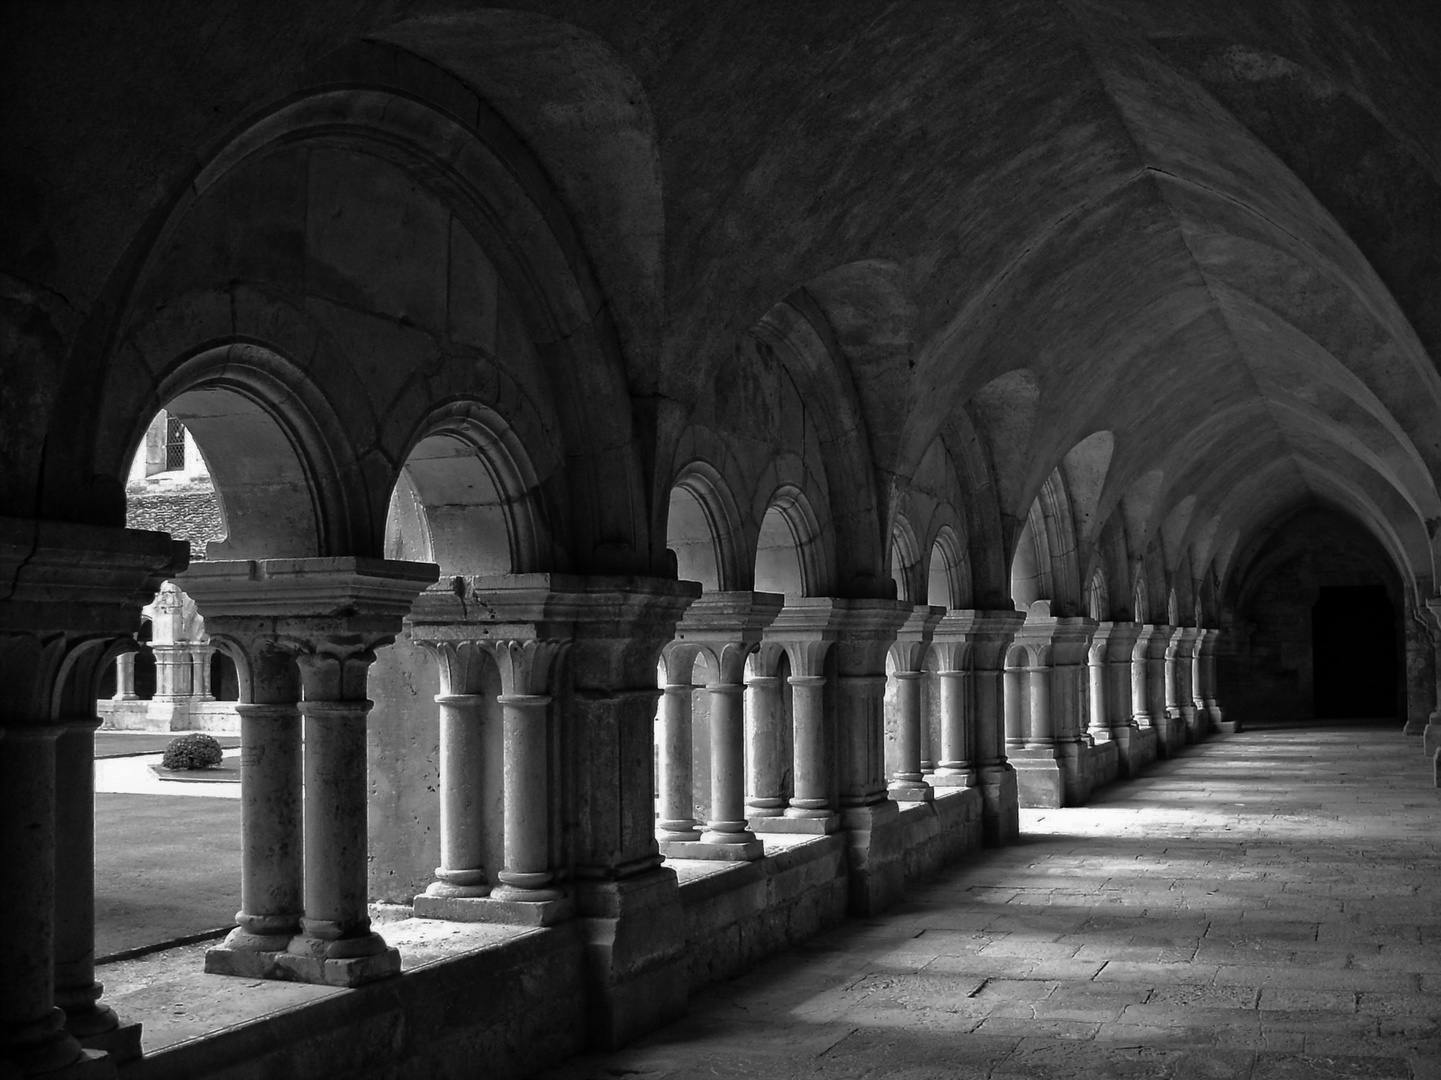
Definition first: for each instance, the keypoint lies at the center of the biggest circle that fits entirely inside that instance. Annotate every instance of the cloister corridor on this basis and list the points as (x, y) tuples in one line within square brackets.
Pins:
[(1265, 905)]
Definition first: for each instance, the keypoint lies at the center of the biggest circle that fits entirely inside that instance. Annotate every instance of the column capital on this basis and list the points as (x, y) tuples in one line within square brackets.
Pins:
[(727, 627), (1157, 639), (1058, 640), (805, 629), (1117, 639), (968, 636), (618, 624), (914, 636)]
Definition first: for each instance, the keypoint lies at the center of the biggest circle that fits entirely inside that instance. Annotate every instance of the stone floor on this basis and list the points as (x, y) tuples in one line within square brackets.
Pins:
[(1267, 905)]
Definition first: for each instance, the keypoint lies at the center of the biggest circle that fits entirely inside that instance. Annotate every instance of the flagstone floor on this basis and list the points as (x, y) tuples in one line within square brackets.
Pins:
[(1266, 906)]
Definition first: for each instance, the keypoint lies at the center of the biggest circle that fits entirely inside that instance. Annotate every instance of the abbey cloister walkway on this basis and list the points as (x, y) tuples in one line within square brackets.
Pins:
[(1266, 905)]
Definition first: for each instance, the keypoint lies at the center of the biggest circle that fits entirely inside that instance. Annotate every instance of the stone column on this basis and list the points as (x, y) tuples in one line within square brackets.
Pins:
[(125, 676), (34, 1031), (812, 799), (1116, 642), (172, 672), (526, 669), (462, 874), (908, 782), (956, 765), (806, 629), (673, 740), (1204, 678), (766, 756), (330, 614), (728, 824), (336, 944), (1140, 694), (1100, 725), (200, 672), (727, 627), (1016, 699), (871, 820), (1167, 738), (990, 634), (1184, 641), (72, 592), (1055, 766), (76, 991), (271, 778)]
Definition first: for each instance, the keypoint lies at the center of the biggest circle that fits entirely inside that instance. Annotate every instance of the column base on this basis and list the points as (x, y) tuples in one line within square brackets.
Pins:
[(636, 964), (122, 1043), (347, 972), (696, 849), (820, 826), (1000, 805), (961, 778), (910, 791), (875, 841), (491, 909), (302, 967)]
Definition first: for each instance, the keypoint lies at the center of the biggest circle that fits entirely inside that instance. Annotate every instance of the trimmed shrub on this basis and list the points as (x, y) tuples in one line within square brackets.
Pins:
[(192, 752)]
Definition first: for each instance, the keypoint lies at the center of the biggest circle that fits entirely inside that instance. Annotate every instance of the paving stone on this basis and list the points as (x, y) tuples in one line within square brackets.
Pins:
[(1293, 937)]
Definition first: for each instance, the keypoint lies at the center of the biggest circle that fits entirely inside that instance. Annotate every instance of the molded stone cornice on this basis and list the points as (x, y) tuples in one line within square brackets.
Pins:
[(304, 597), (805, 628), (727, 626), (81, 579), (1116, 640), (977, 637), (1059, 640), (915, 635)]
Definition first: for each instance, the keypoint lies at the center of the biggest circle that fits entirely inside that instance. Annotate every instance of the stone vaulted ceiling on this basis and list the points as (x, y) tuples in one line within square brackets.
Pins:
[(1212, 230)]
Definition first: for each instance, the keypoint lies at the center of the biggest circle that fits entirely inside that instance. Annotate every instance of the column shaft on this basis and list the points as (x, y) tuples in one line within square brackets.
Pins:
[(955, 762), (32, 1029), (336, 922), (677, 796), (527, 872), (908, 784), (766, 718), (462, 827), (125, 677), (76, 991), (1040, 733), (812, 782), (271, 855), (727, 824)]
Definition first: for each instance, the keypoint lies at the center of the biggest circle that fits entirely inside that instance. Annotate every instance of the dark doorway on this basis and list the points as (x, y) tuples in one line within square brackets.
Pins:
[(1353, 647)]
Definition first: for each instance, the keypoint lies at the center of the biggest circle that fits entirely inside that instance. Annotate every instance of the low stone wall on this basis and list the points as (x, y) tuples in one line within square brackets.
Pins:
[(507, 1010), (940, 832), (737, 914)]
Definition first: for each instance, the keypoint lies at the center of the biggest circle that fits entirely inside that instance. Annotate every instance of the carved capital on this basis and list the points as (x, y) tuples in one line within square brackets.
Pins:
[(527, 665)]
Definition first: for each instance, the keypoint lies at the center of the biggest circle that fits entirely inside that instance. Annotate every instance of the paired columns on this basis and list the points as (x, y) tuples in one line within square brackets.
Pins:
[(75, 593), (805, 630), (1050, 746), (908, 783), (1113, 679), (721, 630), (304, 633)]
